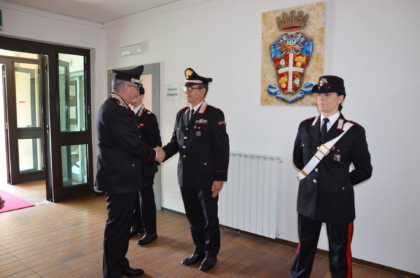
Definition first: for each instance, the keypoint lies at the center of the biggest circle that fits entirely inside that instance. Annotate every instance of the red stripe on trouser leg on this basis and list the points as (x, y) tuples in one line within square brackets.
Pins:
[(297, 249), (348, 255)]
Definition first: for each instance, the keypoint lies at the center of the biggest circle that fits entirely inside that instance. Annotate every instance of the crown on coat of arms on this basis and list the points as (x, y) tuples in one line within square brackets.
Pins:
[(292, 21)]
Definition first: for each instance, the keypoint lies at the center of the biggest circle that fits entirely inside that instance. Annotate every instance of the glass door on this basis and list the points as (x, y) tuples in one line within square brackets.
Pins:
[(71, 138), (23, 119), (47, 116)]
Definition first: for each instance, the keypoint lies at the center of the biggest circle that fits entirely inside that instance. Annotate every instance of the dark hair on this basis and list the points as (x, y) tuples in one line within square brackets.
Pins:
[(344, 97), (207, 89)]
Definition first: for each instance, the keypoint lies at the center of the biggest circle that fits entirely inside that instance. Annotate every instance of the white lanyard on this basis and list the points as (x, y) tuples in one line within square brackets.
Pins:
[(323, 150)]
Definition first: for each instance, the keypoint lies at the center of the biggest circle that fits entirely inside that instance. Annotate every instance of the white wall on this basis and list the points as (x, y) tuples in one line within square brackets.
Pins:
[(26, 23), (371, 44)]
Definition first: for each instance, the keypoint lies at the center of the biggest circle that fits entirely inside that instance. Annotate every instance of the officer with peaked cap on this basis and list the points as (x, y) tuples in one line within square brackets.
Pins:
[(201, 140), (144, 217), (119, 168), (326, 184)]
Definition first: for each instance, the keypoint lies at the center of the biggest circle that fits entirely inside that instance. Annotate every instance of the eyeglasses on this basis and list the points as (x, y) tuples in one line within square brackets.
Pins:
[(189, 89), (135, 87)]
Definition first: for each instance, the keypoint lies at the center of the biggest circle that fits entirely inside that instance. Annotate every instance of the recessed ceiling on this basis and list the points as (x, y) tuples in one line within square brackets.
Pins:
[(95, 10)]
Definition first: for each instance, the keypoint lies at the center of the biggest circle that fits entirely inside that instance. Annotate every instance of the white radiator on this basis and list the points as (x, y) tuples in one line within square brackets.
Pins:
[(248, 201)]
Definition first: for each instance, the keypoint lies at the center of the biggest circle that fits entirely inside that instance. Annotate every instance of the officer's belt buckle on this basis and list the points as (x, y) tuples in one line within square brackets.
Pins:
[(323, 149)]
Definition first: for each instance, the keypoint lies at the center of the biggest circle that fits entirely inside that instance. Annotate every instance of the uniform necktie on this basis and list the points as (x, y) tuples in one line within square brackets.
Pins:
[(324, 128), (191, 114)]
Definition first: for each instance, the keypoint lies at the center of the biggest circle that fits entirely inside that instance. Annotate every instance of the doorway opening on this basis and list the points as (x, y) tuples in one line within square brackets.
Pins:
[(22, 121), (46, 120), (150, 79)]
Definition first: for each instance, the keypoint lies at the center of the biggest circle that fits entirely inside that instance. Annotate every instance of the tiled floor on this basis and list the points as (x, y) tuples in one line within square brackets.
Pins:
[(65, 240)]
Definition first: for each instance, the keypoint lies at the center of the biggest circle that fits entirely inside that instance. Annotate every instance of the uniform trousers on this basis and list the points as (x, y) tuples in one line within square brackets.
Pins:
[(339, 240), (145, 212), (137, 219), (201, 210), (117, 232)]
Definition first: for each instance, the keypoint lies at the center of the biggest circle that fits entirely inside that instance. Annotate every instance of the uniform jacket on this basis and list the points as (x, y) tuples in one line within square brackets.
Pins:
[(120, 149), (326, 194), (150, 134), (203, 146)]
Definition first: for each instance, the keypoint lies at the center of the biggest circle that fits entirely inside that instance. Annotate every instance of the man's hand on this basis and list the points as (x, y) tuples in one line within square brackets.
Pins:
[(216, 188), (160, 154)]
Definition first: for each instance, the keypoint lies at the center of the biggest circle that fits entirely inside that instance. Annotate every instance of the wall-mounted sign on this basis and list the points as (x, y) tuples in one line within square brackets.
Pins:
[(174, 91), (131, 50)]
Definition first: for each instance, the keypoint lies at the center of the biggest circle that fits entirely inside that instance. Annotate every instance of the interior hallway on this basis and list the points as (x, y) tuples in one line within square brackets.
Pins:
[(65, 240)]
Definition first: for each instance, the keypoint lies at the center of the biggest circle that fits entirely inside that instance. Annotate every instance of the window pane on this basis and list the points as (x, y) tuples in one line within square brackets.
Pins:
[(30, 155), (72, 93), (10, 53), (74, 165), (28, 97)]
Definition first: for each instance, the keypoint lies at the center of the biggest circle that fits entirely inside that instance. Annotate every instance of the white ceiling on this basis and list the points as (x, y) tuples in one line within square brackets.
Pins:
[(95, 10)]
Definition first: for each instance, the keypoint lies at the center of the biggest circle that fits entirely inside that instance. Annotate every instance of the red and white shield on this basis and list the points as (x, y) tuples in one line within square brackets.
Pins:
[(290, 71)]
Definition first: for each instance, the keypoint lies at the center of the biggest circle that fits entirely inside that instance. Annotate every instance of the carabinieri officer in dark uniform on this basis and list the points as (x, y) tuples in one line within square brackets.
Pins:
[(145, 212), (202, 142), (119, 171), (326, 183)]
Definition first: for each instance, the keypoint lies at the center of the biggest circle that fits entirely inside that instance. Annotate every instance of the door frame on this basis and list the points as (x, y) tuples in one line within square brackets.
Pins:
[(154, 70), (14, 176), (53, 141)]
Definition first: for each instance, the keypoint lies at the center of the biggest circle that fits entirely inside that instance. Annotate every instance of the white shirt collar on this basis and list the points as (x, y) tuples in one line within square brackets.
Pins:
[(196, 107), (137, 109), (332, 118)]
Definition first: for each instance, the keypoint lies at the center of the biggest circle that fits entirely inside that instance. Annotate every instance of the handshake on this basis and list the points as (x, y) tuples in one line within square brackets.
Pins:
[(160, 154)]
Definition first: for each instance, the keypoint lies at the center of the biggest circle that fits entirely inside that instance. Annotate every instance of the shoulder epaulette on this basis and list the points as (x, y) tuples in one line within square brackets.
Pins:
[(213, 106), (184, 108), (355, 124), (309, 119), (121, 104)]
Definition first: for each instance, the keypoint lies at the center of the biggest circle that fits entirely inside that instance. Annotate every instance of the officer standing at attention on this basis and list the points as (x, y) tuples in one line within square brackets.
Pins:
[(145, 211), (326, 183), (202, 142), (121, 154)]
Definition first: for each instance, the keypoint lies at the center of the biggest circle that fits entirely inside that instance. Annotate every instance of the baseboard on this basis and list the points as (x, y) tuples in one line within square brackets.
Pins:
[(357, 261)]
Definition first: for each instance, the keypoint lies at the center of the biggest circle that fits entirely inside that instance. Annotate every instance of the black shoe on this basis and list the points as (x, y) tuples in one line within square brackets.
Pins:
[(193, 259), (132, 272), (134, 231), (146, 239), (208, 263)]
